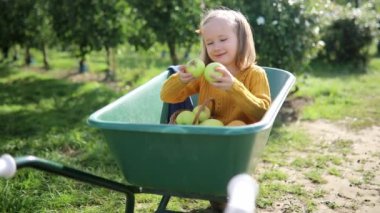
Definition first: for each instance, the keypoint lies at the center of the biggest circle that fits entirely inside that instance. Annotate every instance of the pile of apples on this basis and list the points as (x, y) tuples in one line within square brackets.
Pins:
[(188, 117)]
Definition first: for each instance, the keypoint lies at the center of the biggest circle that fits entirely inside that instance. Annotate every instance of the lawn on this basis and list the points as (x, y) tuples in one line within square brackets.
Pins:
[(46, 116)]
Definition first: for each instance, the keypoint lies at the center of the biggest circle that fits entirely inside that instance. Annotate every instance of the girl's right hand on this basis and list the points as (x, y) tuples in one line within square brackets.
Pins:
[(185, 76)]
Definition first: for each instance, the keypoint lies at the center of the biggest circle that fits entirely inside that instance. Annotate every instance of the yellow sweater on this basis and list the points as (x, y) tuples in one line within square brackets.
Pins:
[(247, 100)]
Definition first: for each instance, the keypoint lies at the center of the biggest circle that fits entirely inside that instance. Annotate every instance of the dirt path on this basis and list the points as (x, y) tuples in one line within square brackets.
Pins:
[(356, 187)]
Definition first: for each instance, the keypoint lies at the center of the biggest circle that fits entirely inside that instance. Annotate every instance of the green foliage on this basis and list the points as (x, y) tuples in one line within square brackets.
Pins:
[(38, 29), (286, 33), (172, 23), (13, 21), (349, 36), (87, 24)]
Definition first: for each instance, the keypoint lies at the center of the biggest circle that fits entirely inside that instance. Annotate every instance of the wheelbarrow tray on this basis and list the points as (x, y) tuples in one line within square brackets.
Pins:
[(191, 161)]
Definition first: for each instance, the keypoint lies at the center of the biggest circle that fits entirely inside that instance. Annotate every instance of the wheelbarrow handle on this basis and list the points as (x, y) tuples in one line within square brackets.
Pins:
[(7, 166)]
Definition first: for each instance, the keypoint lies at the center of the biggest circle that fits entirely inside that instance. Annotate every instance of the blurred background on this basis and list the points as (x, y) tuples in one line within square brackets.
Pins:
[(60, 60), (117, 36)]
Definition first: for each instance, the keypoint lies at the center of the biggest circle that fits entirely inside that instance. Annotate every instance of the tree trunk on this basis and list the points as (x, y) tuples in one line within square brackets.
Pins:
[(83, 67), (108, 58), (357, 3), (15, 54), (113, 62), (28, 57), (44, 53), (173, 54), (5, 51), (187, 53), (110, 70), (82, 64)]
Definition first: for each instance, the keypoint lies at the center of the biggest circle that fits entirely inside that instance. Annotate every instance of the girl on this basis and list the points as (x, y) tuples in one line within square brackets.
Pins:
[(242, 92)]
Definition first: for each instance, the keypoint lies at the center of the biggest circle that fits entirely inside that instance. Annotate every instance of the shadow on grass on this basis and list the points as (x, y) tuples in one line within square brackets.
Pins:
[(5, 69), (33, 106)]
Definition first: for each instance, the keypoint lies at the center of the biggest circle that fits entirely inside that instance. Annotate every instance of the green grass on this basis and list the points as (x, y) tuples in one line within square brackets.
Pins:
[(334, 171), (45, 116), (273, 175), (340, 92), (343, 146)]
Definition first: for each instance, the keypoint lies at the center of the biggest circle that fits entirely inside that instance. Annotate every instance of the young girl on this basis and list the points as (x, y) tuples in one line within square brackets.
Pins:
[(242, 92)]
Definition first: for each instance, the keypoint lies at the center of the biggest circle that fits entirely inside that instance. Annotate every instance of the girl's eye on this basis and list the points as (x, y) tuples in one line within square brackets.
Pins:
[(210, 43), (224, 39)]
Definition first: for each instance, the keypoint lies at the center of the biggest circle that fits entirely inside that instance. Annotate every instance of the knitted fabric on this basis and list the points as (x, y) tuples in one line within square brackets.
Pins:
[(247, 100)]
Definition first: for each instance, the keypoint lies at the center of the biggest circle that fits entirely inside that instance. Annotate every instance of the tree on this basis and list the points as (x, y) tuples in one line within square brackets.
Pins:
[(88, 25), (13, 23), (38, 32), (286, 33), (169, 22)]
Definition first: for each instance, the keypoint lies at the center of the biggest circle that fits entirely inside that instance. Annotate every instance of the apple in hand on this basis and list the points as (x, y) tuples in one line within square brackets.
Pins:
[(212, 122), (204, 114), (185, 117), (210, 71), (196, 67)]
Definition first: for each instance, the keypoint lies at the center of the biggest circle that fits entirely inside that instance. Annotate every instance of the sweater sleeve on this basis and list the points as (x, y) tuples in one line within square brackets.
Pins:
[(253, 94), (175, 91)]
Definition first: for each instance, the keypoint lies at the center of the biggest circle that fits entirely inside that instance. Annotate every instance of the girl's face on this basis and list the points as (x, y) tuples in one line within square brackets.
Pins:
[(221, 42)]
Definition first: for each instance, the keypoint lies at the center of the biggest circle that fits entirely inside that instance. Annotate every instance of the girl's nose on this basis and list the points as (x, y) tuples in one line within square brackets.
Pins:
[(216, 46)]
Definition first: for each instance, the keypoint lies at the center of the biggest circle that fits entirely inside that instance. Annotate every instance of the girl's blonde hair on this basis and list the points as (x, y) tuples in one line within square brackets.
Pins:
[(246, 53)]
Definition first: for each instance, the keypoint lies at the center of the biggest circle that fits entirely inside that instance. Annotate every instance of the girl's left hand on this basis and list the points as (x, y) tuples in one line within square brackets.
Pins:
[(225, 81)]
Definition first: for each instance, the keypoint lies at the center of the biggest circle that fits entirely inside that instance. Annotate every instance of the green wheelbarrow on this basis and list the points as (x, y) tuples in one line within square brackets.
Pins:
[(169, 160)]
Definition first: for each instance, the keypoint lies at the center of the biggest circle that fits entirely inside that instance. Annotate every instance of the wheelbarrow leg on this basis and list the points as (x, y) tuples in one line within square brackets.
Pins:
[(130, 206), (163, 203)]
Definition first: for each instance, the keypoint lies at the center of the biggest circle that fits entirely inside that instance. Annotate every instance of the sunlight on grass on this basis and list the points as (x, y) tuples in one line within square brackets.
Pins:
[(339, 93), (271, 191), (316, 176), (301, 163), (45, 116), (318, 193), (322, 161), (334, 171), (273, 175), (342, 146), (284, 138)]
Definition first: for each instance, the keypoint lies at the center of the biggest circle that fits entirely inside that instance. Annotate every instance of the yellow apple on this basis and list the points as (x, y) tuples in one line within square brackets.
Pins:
[(204, 114), (196, 67), (212, 122), (210, 71), (185, 117), (236, 123)]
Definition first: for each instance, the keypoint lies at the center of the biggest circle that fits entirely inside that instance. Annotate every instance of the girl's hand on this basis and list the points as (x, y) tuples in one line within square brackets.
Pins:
[(185, 76), (225, 81)]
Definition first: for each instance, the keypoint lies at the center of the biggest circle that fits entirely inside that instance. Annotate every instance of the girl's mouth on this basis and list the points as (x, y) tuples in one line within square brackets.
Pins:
[(219, 55)]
